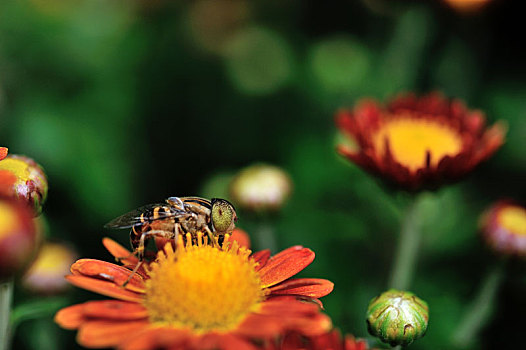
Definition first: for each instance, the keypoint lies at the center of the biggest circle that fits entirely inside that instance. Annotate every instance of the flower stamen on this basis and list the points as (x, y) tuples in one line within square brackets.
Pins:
[(411, 139), (203, 288)]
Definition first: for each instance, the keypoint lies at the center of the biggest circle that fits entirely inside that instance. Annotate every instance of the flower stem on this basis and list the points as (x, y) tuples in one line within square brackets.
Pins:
[(480, 309), (6, 295), (405, 258), (265, 235)]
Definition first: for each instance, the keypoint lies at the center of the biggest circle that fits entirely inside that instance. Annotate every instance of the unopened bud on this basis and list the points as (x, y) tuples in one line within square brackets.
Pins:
[(261, 187), (19, 238), (504, 228), (23, 179), (397, 317)]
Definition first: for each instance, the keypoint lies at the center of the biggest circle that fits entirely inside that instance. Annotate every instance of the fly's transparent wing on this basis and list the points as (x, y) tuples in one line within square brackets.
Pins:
[(143, 215)]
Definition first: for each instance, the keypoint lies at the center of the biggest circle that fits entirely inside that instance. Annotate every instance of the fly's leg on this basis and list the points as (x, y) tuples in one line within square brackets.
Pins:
[(121, 258), (141, 247), (212, 239)]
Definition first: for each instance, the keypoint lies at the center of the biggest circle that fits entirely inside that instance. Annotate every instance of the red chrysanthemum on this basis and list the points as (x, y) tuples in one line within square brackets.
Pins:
[(198, 297), (504, 228), (418, 142), (328, 341)]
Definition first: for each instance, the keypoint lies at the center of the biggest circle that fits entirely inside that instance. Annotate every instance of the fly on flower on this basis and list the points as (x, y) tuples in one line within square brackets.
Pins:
[(179, 215)]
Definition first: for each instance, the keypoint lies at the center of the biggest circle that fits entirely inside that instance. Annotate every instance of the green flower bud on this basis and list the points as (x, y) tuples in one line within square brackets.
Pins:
[(397, 317)]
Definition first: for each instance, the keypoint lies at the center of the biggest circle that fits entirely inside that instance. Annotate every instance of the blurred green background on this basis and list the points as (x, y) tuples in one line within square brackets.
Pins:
[(129, 102)]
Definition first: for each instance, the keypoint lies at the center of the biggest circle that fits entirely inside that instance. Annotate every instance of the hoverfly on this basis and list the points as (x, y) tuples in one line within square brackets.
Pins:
[(179, 215)]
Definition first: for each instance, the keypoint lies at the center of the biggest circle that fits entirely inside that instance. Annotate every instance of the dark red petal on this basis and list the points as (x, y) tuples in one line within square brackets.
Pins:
[(285, 264)]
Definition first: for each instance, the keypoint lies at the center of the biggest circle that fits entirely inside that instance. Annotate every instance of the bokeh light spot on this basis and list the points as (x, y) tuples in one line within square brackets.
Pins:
[(338, 64), (258, 61)]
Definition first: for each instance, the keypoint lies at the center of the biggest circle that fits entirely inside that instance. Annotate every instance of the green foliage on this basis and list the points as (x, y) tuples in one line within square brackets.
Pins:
[(122, 105)]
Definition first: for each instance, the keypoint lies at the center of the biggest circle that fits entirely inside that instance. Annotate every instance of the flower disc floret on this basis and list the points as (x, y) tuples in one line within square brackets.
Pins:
[(412, 141), (203, 288)]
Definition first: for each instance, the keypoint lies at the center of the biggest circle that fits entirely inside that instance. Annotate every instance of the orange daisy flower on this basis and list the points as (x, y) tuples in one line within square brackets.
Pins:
[(331, 340), (504, 228), (417, 142), (196, 297)]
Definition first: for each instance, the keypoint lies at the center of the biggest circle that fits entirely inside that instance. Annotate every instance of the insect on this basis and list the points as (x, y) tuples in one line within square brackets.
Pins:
[(178, 215)]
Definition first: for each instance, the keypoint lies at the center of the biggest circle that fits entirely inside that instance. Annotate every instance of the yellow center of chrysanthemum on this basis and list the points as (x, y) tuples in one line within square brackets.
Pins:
[(16, 166), (410, 139), (203, 288), (513, 218)]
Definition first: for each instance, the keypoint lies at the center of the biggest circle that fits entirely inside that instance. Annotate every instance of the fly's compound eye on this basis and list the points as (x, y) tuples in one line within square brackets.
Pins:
[(223, 215)]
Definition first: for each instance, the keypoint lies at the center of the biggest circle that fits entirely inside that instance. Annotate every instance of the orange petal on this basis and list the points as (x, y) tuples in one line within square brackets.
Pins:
[(105, 288), (3, 152), (70, 317), (310, 287), (261, 258), (310, 326), (115, 310), (119, 252), (157, 338), (102, 334), (260, 326), (241, 237), (109, 272), (225, 341), (288, 305), (285, 264)]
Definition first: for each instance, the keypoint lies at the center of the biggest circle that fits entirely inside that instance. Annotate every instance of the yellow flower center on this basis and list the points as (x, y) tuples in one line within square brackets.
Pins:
[(410, 139), (513, 218), (203, 288), (15, 166)]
